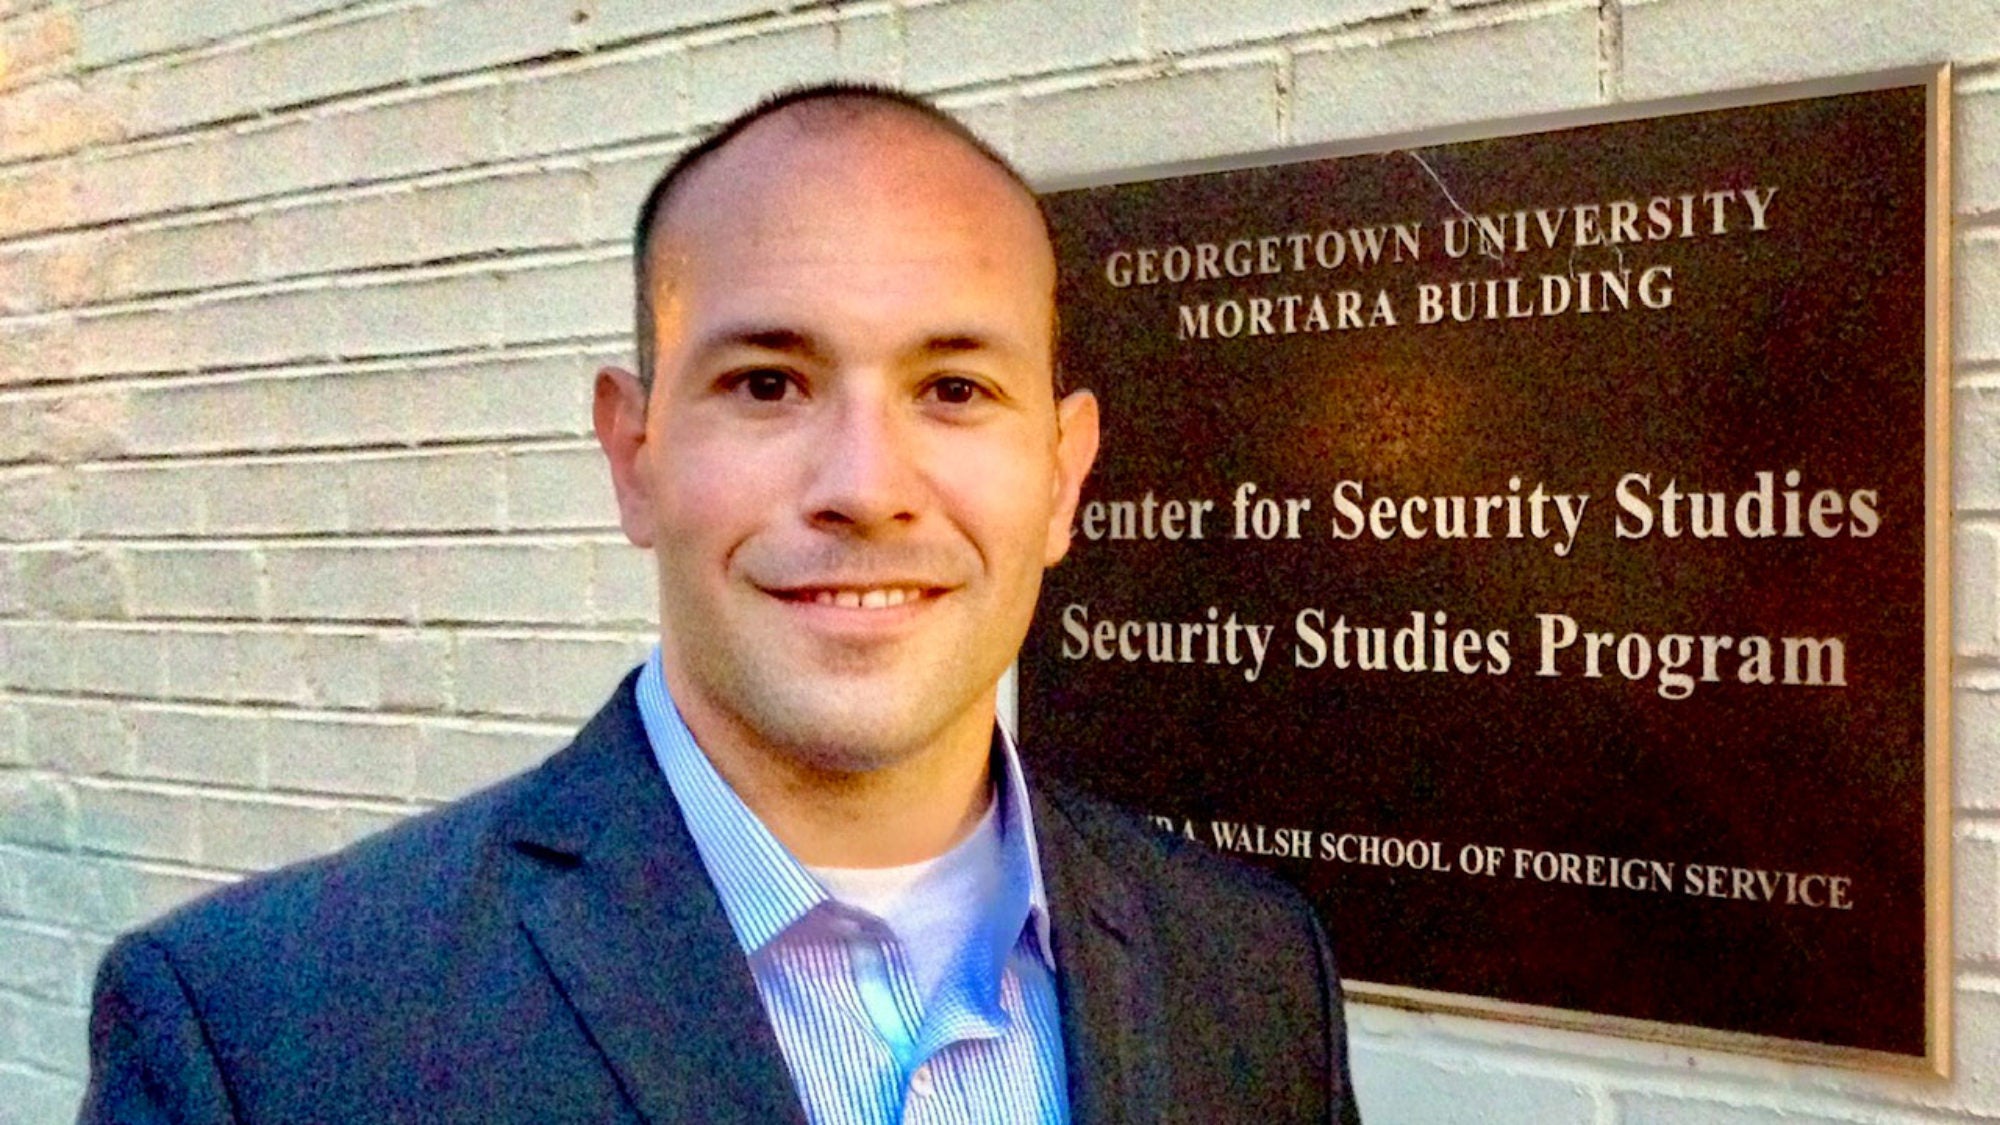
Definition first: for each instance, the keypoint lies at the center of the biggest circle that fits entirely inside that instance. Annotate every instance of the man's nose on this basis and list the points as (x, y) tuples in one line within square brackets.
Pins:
[(867, 472)]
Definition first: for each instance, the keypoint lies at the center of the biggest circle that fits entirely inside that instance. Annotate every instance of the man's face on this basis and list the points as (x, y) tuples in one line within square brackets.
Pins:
[(853, 468)]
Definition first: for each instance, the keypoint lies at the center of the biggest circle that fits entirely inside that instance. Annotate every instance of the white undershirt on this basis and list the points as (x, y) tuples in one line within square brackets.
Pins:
[(935, 907)]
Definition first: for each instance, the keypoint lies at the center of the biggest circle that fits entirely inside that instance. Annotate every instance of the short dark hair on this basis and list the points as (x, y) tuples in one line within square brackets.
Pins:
[(862, 96)]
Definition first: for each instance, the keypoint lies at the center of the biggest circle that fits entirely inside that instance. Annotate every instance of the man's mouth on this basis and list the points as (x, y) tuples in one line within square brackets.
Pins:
[(857, 597)]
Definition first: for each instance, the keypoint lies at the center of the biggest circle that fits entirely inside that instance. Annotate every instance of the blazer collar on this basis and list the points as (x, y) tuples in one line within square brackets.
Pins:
[(611, 891), (1112, 997), (613, 895)]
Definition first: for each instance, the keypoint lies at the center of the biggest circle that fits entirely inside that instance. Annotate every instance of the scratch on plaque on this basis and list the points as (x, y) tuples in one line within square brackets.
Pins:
[(1471, 223)]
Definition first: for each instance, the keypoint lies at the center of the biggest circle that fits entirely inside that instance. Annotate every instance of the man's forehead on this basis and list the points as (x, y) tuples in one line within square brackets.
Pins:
[(846, 152)]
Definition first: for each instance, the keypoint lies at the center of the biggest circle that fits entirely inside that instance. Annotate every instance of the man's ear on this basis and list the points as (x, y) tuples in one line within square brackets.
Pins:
[(618, 410), (1076, 451)]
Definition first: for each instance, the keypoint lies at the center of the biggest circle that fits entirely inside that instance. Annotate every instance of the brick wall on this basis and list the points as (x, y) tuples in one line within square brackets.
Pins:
[(301, 528)]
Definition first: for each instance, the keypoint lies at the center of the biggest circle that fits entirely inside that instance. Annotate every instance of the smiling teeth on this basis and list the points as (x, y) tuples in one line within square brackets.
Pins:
[(865, 599)]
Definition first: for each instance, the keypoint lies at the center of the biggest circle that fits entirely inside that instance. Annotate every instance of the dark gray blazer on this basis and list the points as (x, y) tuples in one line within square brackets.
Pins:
[(550, 950)]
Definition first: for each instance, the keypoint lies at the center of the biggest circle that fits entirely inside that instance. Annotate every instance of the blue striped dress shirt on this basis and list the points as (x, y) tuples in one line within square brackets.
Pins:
[(862, 1046)]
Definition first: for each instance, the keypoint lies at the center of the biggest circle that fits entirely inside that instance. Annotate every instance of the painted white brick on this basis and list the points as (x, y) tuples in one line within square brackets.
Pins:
[(504, 398), (1190, 114), (58, 1037), (35, 504), (339, 410), (49, 886), (38, 1095), (358, 823), (1394, 1088), (124, 29), (320, 236), (315, 669), (1668, 1109), (618, 188), (567, 301), (416, 671), (202, 417), (1524, 67), (118, 661), (962, 44), (130, 342), (402, 138), (134, 822), (135, 895), (1976, 749), (624, 586), (60, 115), (13, 729), (42, 350), (36, 812), (252, 835), (141, 181), (453, 761), (198, 663), (271, 497), (52, 887), (597, 105), (1181, 25), (1975, 624), (261, 328), (1975, 447), (463, 35), (40, 656), (115, 502), (726, 78), (431, 491), (194, 582), (421, 315), (613, 21), (1976, 292), (215, 747), (192, 91), (1682, 46), (400, 406), (72, 269), (519, 212), (1976, 906), (343, 583), (505, 584), (75, 739), (37, 962), (559, 488), (366, 759), (39, 197), (80, 426), (1976, 1019), (368, 53), (73, 583), (540, 677), (260, 159), (1975, 181)]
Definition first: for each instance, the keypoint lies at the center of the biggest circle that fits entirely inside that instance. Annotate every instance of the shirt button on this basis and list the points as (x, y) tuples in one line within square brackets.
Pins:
[(920, 1082)]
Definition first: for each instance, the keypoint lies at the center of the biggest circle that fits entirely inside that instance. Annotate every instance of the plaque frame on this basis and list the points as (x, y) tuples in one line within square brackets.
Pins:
[(1936, 79)]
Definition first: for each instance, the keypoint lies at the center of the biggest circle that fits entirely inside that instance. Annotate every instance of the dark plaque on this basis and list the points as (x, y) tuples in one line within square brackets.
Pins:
[(1532, 547)]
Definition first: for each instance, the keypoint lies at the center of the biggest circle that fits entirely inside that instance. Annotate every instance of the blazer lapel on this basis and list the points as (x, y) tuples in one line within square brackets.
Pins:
[(1107, 976), (614, 897)]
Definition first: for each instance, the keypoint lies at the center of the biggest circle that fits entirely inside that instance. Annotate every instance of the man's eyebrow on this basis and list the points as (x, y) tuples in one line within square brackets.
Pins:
[(959, 343), (784, 340)]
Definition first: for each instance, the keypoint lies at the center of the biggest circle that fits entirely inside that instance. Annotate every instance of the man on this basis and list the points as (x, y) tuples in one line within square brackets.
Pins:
[(792, 871)]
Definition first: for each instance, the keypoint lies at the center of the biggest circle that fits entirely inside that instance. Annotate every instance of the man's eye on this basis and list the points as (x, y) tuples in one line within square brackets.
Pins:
[(765, 384), (954, 390)]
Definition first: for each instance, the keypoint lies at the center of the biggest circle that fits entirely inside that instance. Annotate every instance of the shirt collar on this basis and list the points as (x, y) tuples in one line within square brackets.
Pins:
[(763, 887)]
